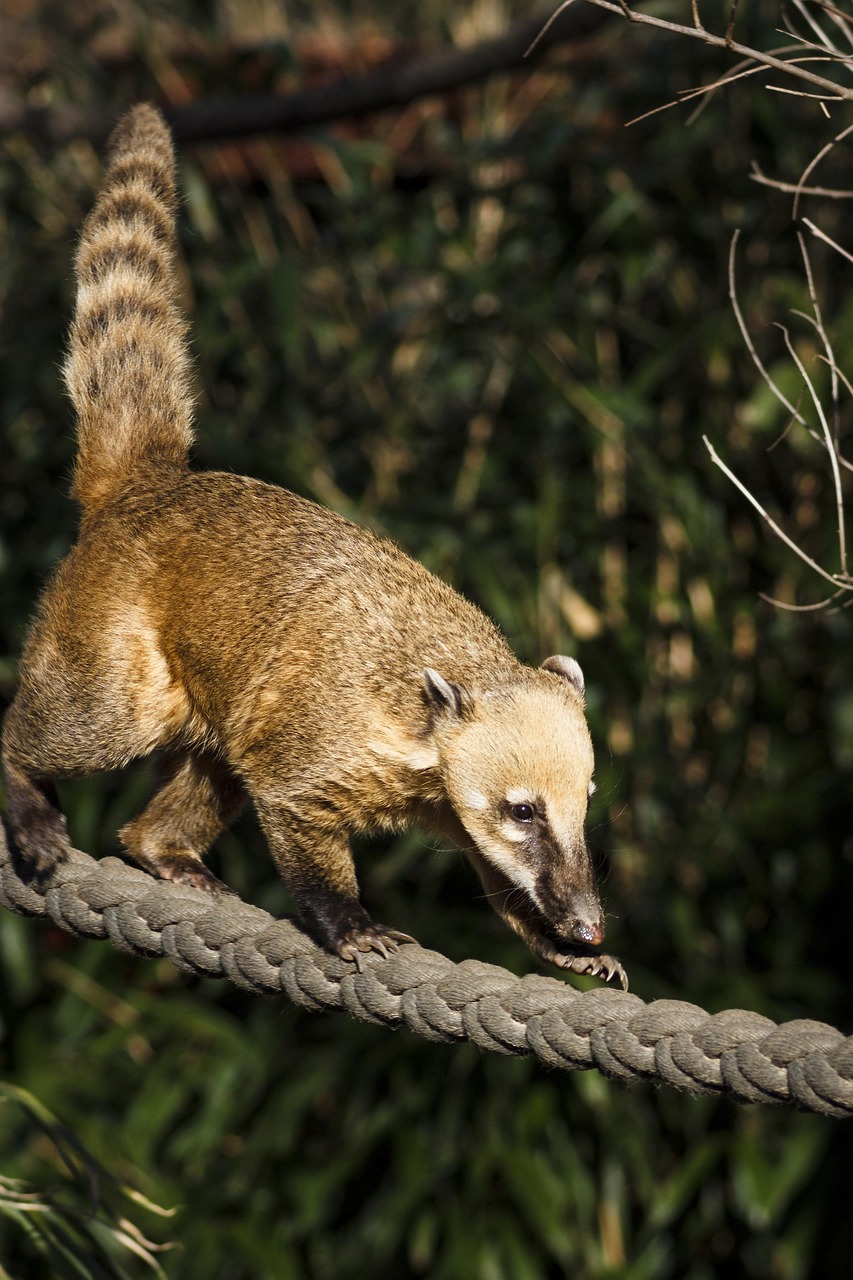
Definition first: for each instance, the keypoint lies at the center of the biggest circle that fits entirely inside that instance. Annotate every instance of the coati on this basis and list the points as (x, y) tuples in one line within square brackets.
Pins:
[(271, 648)]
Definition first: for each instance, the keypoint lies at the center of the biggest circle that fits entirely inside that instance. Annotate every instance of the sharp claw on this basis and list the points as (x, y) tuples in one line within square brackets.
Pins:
[(605, 967), (399, 937), (376, 938)]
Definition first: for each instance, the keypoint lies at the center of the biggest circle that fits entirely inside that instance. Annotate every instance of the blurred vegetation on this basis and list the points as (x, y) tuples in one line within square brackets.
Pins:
[(495, 328)]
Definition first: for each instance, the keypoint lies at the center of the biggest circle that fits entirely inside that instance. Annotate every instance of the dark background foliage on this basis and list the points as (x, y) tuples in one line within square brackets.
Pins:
[(495, 327)]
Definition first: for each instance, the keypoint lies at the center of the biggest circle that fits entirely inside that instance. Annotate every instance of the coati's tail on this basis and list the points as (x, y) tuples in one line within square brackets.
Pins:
[(128, 366)]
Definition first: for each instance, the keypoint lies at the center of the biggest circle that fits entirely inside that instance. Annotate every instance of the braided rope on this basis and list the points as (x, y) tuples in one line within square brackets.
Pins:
[(807, 1064)]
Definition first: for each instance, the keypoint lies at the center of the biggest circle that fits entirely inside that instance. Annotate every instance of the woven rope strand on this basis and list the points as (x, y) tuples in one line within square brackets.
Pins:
[(803, 1063)]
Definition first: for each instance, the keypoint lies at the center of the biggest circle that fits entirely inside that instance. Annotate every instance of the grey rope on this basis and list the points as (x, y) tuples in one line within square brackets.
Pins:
[(807, 1064)]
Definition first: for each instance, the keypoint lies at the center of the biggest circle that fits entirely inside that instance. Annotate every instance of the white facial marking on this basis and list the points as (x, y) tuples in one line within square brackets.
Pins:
[(520, 876), (520, 795), (514, 831), (476, 800), (591, 789)]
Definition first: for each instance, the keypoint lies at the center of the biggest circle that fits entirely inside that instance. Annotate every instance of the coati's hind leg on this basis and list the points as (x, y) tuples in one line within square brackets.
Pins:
[(81, 707), (37, 823), (317, 866), (29, 766), (197, 797)]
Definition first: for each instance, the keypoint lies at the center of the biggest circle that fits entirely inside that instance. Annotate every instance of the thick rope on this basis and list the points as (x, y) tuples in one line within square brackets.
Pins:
[(807, 1064)]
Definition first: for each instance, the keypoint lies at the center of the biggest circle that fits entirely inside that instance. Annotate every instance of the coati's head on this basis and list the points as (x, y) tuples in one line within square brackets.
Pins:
[(517, 765)]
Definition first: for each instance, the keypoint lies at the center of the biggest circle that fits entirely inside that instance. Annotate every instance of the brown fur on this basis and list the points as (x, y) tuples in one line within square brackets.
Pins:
[(272, 648)]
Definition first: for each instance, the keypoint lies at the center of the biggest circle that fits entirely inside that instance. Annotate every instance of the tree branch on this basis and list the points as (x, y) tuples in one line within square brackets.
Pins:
[(393, 85), (832, 90)]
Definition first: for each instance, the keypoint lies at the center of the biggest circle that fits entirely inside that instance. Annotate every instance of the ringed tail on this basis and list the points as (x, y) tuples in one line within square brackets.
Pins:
[(128, 366)]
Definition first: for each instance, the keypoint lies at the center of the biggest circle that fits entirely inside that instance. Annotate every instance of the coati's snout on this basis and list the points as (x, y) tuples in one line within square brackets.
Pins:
[(557, 908), (517, 764), (570, 914)]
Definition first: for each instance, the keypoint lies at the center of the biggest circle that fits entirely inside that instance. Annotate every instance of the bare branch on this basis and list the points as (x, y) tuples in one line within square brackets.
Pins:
[(804, 608), (833, 460), (813, 163), (829, 193), (821, 235), (827, 438), (824, 337), (815, 26), (698, 32), (835, 580), (731, 27), (750, 346), (841, 374), (744, 69), (391, 85), (801, 93)]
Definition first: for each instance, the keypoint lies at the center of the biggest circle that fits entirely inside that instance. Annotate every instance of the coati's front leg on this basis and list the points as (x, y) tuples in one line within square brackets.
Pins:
[(316, 864), (196, 797)]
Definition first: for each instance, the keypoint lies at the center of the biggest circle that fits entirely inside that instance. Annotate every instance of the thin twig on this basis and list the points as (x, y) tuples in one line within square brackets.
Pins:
[(804, 608), (780, 438), (815, 26), (833, 460), (730, 28), (845, 380), (777, 529), (824, 337), (803, 42), (744, 69), (821, 235), (835, 91), (841, 21), (750, 346), (828, 193), (813, 163), (756, 359), (802, 93)]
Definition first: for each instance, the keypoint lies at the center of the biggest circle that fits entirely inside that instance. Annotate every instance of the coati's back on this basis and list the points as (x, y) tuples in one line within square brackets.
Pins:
[(128, 375), (128, 369)]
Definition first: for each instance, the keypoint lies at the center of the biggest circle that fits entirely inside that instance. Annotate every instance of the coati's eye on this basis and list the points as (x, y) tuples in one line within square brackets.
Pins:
[(523, 812)]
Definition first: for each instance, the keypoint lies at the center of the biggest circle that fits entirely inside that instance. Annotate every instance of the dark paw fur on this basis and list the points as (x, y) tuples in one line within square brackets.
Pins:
[(39, 848)]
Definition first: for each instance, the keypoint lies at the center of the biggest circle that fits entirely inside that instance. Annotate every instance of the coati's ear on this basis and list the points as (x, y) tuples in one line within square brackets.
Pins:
[(568, 668), (447, 698)]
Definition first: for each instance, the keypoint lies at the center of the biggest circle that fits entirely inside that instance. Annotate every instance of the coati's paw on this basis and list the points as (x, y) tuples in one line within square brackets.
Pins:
[(606, 967), (185, 869), (39, 835), (34, 860), (355, 943)]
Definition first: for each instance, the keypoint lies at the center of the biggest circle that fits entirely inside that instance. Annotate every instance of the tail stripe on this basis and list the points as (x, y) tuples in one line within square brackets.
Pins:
[(128, 365)]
